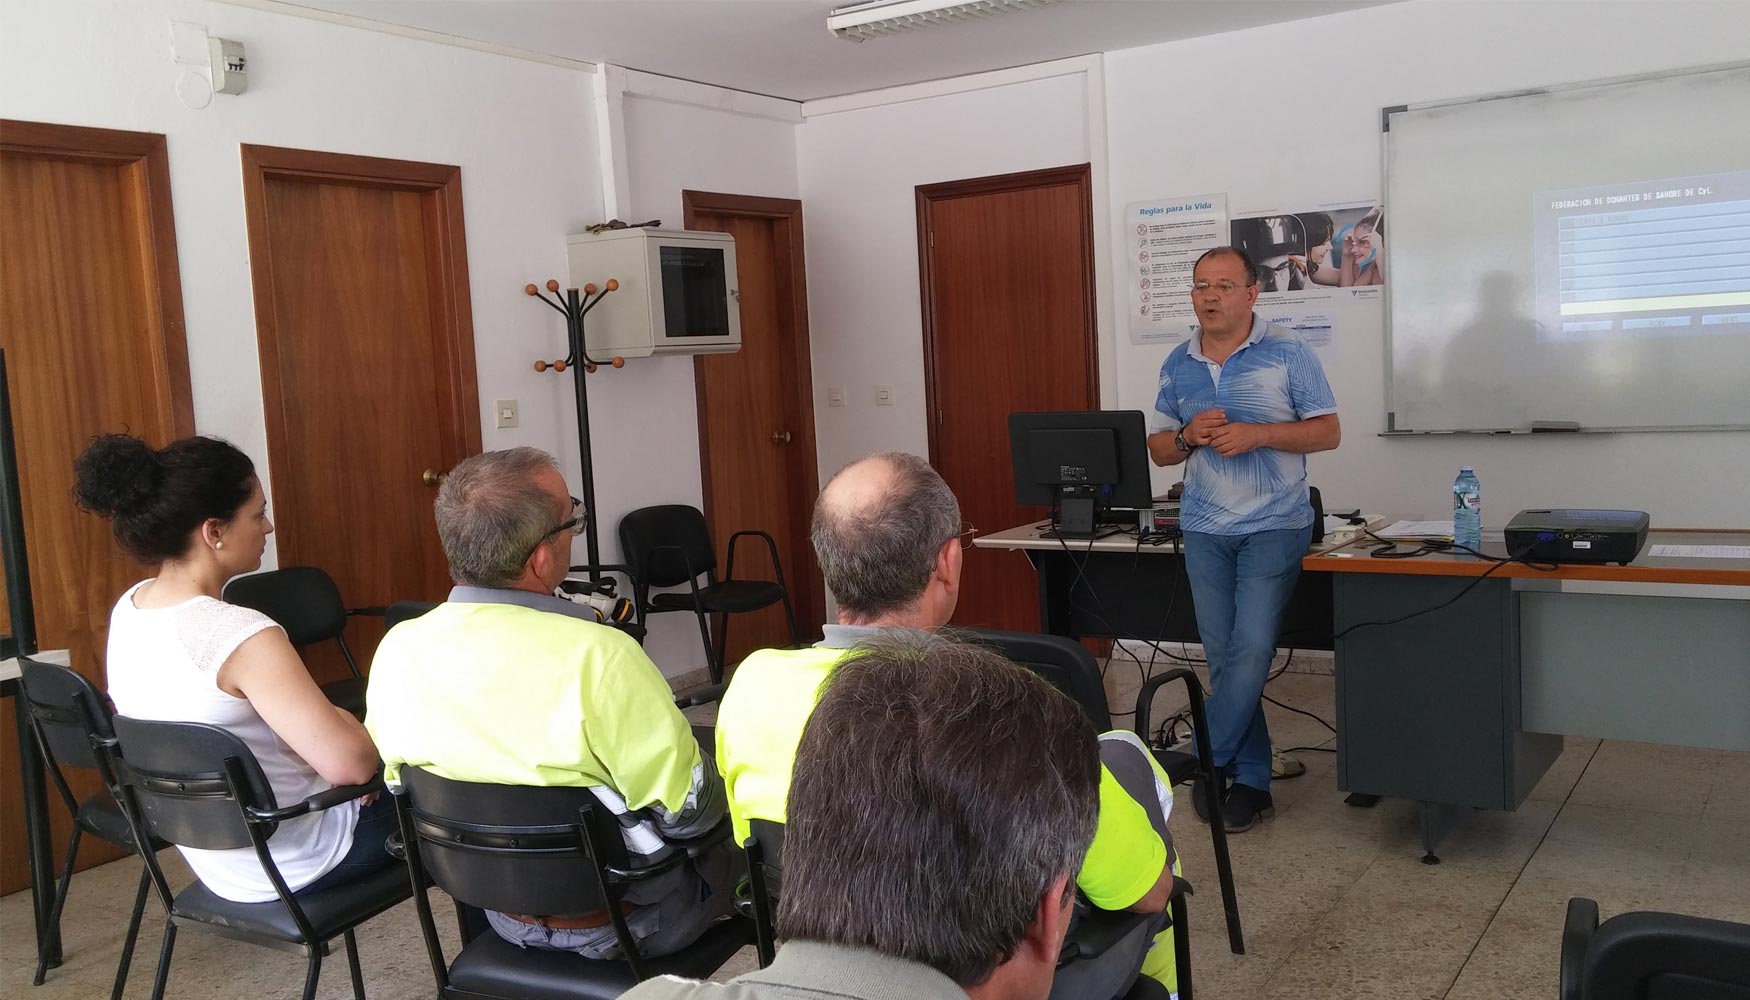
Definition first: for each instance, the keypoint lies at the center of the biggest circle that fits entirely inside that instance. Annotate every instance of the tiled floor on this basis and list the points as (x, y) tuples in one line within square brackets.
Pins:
[(1335, 901)]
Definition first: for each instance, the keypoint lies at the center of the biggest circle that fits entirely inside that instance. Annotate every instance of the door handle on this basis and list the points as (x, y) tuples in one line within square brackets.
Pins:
[(780, 437), (432, 477)]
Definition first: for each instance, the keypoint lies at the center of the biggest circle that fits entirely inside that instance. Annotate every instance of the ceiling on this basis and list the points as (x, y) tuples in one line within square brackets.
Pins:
[(781, 48)]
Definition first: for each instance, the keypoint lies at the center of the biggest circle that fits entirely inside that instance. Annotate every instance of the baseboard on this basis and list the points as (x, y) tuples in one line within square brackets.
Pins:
[(695, 678)]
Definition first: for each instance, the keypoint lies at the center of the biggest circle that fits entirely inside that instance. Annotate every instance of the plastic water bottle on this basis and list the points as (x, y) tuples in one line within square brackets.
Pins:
[(1467, 509)]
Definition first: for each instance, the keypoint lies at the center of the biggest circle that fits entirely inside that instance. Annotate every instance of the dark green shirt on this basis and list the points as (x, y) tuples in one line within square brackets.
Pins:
[(808, 970)]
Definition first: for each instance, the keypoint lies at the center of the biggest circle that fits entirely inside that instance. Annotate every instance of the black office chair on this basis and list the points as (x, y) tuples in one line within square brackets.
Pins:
[(1093, 932), (70, 719), (199, 786), (304, 601), (1652, 956), (670, 545), (1068, 666), (520, 849)]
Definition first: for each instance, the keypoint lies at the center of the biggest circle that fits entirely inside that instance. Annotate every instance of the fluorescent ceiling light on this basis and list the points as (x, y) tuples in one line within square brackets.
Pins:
[(875, 18)]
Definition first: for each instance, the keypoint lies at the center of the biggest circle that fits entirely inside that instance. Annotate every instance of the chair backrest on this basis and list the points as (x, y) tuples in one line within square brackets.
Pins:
[(513, 848), (765, 875), (177, 777), (405, 611), (303, 600), (1667, 956), (1063, 663), (770, 838), (68, 711), (650, 536)]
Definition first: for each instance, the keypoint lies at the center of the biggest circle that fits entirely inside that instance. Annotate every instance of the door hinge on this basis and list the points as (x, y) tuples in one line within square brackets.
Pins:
[(932, 235)]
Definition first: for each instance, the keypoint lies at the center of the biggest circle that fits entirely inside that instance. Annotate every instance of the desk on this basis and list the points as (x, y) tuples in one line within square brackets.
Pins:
[(1466, 707), (36, 815), (1119, 588)]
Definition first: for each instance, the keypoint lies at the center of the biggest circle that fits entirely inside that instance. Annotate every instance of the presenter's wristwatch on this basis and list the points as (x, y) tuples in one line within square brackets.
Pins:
[(1183, 445)]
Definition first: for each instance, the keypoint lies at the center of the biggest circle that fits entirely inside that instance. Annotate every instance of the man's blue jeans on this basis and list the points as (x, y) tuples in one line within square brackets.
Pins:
[(1241, 585)]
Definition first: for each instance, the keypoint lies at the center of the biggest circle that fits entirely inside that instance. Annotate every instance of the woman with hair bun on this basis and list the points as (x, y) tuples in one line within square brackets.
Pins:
[(178, 653)]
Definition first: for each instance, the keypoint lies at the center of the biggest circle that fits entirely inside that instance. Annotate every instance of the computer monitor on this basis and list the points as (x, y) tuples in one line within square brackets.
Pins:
[(1081, 464)]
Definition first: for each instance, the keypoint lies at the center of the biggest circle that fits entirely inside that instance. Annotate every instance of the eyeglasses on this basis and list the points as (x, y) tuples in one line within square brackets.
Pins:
[(967, 534), (575, 524), (1224, 287)]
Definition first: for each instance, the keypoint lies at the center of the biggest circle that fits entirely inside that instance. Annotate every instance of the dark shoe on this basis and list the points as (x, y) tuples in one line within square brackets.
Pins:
[(1200, 796), (1245, 807)]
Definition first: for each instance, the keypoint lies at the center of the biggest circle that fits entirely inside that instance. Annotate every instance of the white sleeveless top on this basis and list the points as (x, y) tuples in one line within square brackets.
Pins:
[(164, 667)]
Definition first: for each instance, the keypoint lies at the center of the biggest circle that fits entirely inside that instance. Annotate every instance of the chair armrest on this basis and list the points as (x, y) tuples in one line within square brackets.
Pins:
[(372, 611), (1576, 939), (621, 568), (687, 848), (316, 803), (771, 547), (701, 696), (1146, 694)]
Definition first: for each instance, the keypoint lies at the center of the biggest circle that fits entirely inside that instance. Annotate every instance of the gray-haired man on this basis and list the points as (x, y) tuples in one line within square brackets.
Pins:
[(507, 684), (943, 800)]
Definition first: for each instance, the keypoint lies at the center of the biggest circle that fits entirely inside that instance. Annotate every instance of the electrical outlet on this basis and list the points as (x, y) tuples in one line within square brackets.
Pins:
[(507, 413), (835, 395), (884, 395)]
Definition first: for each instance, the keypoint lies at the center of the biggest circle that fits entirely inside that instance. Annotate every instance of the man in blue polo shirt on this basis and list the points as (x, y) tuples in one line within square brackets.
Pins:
[(1241, 404)]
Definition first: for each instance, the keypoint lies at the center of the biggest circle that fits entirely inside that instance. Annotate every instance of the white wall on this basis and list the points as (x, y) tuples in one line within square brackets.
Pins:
[(858, 172), (320, 86), (1287, 117), (646, 421)]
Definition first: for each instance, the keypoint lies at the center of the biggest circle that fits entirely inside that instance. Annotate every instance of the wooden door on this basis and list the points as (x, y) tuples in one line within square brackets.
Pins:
[(756, 414), (91, 321), (367, 368), (1007, 273)]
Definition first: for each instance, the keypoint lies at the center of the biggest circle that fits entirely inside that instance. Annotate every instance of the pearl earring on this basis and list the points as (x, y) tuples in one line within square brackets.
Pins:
[(218, 545)]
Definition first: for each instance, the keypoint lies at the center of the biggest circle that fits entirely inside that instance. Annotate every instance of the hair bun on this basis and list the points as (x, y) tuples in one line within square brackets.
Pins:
[(117, 474)]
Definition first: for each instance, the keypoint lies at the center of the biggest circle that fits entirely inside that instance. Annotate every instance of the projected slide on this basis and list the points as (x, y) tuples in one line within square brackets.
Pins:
[(1653, 258)]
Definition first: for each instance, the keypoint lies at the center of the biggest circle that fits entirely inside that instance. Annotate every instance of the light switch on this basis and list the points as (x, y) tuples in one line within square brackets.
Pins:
[(835, 395), (507, 413), (884, 395)]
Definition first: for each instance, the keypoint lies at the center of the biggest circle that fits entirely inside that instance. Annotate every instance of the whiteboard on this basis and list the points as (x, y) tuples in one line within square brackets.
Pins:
[(1573, 259)]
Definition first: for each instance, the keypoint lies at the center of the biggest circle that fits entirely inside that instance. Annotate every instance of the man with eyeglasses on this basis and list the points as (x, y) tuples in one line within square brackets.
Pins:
[(505, 683), (888, 534), (1241, 405)]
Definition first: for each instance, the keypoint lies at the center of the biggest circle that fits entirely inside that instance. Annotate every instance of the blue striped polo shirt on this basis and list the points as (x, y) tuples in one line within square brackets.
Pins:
[(1273, 378)]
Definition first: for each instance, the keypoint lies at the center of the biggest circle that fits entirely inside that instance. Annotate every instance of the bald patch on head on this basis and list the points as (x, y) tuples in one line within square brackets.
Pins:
[(877, 529), (863, 485)]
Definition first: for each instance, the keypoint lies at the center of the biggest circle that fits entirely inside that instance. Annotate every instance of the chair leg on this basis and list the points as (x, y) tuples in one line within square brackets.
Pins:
[(52, 940), (715, 668), (1224, 869), (1182, 946), (312, 972), (121, 970), (164, 950), (352, 966), (790, 618), (722, 644)]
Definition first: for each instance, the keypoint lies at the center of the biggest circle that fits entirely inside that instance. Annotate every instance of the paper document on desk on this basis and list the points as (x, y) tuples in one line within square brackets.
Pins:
[(1701, 551), (1416, 529)]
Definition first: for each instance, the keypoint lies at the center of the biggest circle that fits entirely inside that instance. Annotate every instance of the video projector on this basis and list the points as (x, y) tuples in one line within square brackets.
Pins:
[(1577, 536)]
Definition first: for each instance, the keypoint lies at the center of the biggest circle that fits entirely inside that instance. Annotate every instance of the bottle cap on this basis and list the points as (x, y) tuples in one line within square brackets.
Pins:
[(1464, 469)]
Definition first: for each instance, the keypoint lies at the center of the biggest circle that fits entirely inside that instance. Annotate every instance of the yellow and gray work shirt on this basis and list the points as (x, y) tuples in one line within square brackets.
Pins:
[(517, 688)]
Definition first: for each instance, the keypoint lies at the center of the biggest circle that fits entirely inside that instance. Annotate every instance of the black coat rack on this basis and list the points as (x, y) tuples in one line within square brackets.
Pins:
[(574, 307)]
